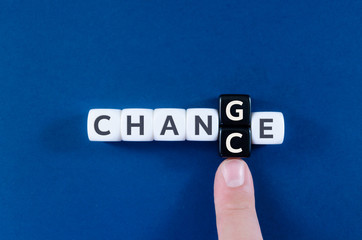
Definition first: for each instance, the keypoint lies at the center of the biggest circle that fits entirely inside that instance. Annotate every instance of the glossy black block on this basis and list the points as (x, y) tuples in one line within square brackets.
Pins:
[(234, 142), (234, 110)]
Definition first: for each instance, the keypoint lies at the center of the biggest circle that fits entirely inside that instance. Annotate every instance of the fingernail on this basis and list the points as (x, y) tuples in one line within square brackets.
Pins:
[(234, 173)]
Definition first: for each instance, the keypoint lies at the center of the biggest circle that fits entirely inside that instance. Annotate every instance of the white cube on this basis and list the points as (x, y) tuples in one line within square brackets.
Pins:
[(202, 124), (169, 124), (137, 124), (104, 125), (267, 128)]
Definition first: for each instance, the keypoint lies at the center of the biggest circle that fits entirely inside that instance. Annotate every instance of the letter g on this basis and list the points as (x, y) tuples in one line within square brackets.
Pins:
[(239, 112)]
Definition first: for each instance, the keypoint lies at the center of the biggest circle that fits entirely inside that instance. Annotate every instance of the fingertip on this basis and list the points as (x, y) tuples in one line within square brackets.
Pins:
[(234, 201), (234, 173)]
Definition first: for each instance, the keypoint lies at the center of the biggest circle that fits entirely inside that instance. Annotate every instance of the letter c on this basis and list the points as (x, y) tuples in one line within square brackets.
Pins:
[(96, 125), (240, 112), (228, 143)]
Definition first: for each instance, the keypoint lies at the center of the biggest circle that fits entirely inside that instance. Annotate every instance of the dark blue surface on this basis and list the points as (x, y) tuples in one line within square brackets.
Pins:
[(58, 59)]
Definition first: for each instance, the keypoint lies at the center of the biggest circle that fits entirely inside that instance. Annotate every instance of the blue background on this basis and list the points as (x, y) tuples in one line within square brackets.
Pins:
[(58, 59)]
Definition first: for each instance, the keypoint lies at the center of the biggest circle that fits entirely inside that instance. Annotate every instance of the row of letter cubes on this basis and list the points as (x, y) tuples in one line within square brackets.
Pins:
[(194, 124)]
